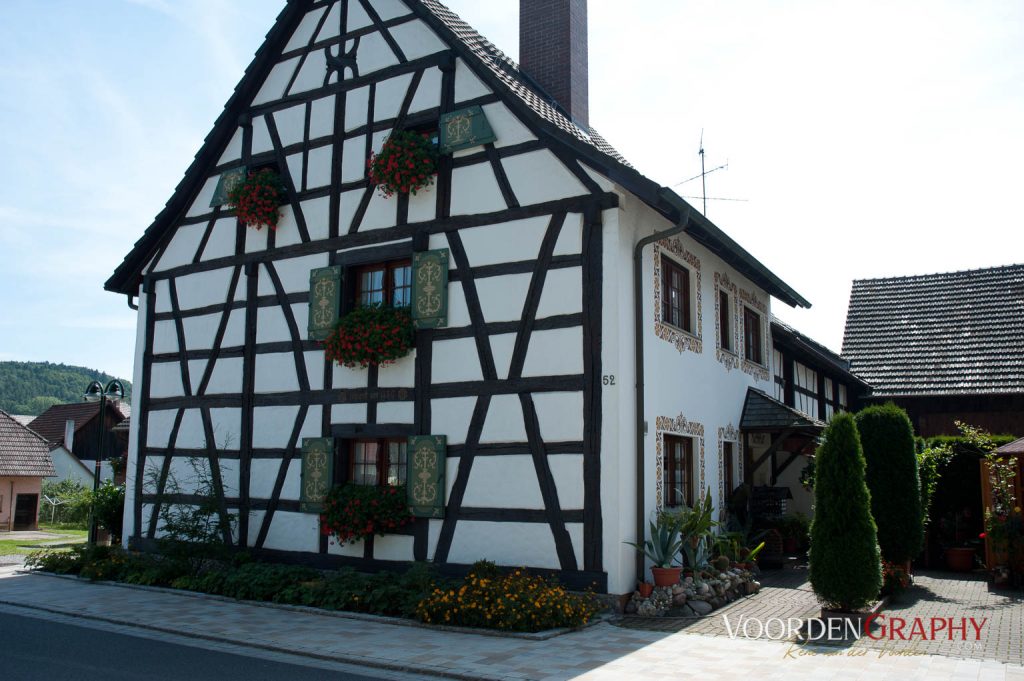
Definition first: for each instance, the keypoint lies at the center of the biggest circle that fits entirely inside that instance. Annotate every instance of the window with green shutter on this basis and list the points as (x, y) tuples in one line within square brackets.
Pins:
[(430, 289), (317, 460), (324, 301), (426, 489), (464, 128)]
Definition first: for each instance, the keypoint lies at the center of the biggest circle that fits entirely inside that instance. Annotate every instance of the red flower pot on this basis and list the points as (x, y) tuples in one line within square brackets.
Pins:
[(665, 576), (645, 589), (960, 559)]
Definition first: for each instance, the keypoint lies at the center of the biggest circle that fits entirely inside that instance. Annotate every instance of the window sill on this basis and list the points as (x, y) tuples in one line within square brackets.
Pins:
[(681, 330)]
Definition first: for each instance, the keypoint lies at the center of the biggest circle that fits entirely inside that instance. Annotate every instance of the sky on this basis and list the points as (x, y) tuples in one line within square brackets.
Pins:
[(861, 139)]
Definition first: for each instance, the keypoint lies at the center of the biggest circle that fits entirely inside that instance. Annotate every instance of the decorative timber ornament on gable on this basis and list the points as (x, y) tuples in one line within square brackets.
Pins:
[(430, 289), (343, 60), (229, 179), (426, 488), (464, 128), (324, 301), (317, 459)]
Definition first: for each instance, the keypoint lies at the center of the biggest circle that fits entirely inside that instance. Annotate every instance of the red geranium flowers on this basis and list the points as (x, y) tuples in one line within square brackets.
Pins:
[(257, 198), (406, 163)]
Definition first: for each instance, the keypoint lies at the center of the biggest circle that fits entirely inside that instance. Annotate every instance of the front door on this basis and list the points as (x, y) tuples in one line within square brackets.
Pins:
[(25, 511)]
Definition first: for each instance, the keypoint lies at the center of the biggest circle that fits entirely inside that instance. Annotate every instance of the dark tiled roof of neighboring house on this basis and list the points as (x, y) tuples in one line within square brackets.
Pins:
[(502, 74), (957, 333), (23, 453), (50, 424), (763, 412)]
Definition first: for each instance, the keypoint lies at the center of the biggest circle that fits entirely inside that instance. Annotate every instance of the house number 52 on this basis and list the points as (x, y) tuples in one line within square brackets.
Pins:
[(608, 379)]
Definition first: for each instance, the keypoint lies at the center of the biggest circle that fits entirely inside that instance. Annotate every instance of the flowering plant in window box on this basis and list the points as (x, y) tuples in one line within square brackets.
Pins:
[(353, 512), (375, 335), (257, 198), (405, 164)]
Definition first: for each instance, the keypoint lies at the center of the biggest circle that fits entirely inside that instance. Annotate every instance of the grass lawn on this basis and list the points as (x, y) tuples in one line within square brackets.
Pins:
[(24, 547)]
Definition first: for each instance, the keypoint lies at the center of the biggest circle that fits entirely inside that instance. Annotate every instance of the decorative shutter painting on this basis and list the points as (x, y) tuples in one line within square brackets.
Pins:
[(464, 128), (228, 180), (426, 488), (430, 289), (324, 301), (317, 458)]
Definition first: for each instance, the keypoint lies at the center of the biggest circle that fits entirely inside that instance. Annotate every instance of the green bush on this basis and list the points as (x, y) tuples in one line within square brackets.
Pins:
[(58, 562), (108, 506), (845, 565), (65, 503), (887, 439)]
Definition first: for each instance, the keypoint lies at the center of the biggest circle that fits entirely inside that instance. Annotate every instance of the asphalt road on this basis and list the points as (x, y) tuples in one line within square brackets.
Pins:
[(33, 648)]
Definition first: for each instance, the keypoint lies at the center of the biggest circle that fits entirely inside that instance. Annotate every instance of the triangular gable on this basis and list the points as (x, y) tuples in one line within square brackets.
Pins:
[(303, 20)]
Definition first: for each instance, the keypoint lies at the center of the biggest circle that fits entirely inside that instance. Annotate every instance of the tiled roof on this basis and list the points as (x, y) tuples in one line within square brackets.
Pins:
[(763, 412), (23, 453), (518, 81), (939, 334), (50, 424)]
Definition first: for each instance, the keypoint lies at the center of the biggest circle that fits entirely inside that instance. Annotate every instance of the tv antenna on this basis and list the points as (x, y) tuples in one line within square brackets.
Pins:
[(703, 175)]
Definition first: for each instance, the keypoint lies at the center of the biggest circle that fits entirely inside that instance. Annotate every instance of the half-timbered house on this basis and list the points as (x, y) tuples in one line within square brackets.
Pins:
[(587, 363)]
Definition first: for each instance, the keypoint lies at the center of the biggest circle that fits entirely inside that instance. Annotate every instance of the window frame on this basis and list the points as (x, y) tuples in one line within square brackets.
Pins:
[(669, 478), (725, 331), (758, 341), (382, 465), (668, 266), (388, 290), (728, 469)]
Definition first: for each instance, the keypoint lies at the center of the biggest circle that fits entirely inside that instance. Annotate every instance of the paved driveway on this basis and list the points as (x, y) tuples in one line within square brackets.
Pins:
[(786, 593)]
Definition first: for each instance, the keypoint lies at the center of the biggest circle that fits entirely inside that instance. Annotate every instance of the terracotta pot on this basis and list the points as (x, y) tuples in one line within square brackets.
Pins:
[(665, 576), (960, 559), (790, 545), (645, 589)]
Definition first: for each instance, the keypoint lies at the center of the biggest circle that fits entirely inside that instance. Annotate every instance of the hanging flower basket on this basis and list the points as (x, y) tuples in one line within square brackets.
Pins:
[(354, 512), (257, 199), (370, 336), (406, 163)]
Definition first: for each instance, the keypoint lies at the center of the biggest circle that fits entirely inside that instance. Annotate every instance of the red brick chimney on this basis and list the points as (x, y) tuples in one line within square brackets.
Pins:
[(553, 51)]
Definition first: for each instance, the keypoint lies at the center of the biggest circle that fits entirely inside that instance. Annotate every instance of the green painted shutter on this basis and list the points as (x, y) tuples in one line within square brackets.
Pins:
[(228, 179), (430, 289), (317, 460), (324, 301), (464, 128), (427, 460)]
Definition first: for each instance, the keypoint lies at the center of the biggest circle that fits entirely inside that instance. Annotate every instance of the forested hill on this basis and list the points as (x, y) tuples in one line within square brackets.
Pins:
[(33, 387)]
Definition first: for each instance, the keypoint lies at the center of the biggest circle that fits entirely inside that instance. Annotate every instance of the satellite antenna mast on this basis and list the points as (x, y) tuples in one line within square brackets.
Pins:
[(703, 183)]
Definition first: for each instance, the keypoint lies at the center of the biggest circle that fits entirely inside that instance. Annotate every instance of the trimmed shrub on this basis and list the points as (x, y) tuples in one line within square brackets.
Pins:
[(845, 565), (887, 439)]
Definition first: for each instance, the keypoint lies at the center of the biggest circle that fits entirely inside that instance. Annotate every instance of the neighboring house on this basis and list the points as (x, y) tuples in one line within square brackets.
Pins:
[(945, 347), (74, 428), (525, 377), (24, 462), (810, 384), (67, 466)]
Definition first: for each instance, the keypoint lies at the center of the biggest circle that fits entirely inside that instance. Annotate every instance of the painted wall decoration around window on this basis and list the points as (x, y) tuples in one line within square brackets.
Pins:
[(727, 321), (677, 299), (675, 428)]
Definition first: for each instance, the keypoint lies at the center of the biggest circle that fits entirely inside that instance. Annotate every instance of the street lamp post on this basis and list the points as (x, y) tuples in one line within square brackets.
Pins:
[(95, 392)]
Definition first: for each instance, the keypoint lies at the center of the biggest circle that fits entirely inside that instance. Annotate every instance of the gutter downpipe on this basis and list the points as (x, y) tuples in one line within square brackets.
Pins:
[(638, 341)]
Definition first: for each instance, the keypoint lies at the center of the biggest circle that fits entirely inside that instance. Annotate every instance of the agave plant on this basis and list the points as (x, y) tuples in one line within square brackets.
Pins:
[(663, 546)]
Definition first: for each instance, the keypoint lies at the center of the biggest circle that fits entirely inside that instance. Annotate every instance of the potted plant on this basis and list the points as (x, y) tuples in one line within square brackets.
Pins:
[(662, 549), (352, 512), (645, 589), (257, 199), (406, 163)]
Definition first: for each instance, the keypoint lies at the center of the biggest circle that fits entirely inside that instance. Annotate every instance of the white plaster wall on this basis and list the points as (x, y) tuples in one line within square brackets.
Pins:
[(518, 486), (451, 416), (201, 204), (563, 292), (538, 176), (475, 190), (396, 412), (293, 532), (221, 243), (504, 422), (263, 475), (428, 94), (182, 247), (66, 466), (138, 382), (388, 96), (374, 53), (570, 238), (506, 126), (165, 337), (401, 374), (348, 413), (530, 544), (293, 272), (201, 331), (455, 360), (504, 242), (291, 123), (417, 40), (272, 426), (393, 547), (567, 472), (166, 380), (554, 352), (502, 347), (467, 85), (203, 288), (560, 415), (502, 298)]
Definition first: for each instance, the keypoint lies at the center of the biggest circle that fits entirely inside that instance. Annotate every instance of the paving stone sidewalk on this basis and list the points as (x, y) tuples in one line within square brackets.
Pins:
[(786, 593), (602, 652)]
